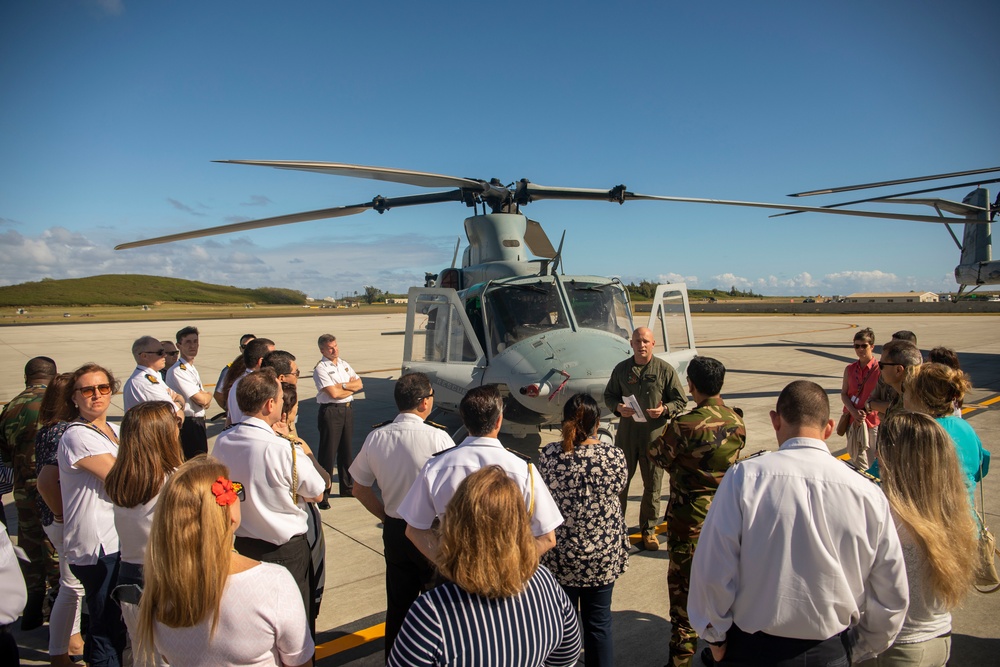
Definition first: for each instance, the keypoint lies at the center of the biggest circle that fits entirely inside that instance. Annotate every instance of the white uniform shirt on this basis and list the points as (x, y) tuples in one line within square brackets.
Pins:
[(234, 414), (88, 514), (438, 480), (394, 454), (262, 461), (797, 544), (133, 525), (143, 385), (329, 374), (184, 378), (13, 594)]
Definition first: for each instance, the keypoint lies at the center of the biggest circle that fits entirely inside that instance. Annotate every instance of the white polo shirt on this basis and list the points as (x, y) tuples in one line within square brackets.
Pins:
[(183, 378), (438, 480), (329, 374), (88, 514), (143, 385), (262, 461), (394, 454)]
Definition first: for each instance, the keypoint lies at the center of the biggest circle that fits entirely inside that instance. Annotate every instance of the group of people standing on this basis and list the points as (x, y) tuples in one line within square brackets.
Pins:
[(491, 559)]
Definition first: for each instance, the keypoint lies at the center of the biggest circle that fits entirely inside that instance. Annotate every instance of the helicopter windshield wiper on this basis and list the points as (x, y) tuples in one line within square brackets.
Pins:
[(525, 287)]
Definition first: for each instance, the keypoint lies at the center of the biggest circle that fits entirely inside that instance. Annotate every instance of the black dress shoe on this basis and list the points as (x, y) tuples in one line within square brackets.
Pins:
[(346, 493), (323, 504)]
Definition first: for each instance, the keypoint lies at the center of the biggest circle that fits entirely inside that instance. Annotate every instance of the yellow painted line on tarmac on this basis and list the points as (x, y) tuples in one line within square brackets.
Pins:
[(966, 409), (353, 640)]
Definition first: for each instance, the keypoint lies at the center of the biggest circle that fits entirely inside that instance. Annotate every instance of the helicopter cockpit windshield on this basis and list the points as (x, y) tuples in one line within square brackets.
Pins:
[(516, 311), (600, 305)]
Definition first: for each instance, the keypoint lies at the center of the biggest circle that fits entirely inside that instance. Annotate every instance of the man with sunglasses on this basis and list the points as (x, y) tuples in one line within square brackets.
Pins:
[(393, 454), (18, 424), (145, 384), (897, 360)]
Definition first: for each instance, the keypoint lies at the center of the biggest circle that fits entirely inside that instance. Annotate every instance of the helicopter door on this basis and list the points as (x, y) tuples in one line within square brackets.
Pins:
[(670, 321), (438, 330)]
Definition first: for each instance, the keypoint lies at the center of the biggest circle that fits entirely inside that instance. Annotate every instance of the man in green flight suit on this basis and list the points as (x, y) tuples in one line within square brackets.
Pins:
[(18, 425), (697, 448), (658, 391)]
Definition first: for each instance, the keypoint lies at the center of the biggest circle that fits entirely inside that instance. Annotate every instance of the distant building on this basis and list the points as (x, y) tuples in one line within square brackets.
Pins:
[(394, 299), (893, 297)]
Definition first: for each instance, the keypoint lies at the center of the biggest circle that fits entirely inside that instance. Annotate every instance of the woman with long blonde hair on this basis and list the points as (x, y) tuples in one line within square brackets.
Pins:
[(926, 492), (933, 389), (204, 604), (499, 607), (149, 450)]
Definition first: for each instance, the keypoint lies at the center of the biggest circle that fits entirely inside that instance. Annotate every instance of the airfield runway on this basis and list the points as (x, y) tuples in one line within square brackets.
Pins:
[(762, 355)]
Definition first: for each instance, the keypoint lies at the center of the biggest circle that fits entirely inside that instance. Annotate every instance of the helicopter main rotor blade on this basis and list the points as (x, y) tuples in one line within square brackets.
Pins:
[(901, 181), (380, 204), (939, 188), (337, 212), (419, 178), (806, 209)]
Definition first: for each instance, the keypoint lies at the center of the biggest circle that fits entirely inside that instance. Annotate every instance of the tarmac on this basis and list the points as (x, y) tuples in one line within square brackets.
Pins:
[(762, 354)]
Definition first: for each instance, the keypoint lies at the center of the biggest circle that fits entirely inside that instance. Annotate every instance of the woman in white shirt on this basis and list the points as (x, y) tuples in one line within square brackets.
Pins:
[(926, 491), (204, 604), (149, 451), (87, 450)]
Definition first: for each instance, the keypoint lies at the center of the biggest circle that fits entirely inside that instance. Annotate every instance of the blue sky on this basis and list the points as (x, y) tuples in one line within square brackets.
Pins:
[(113, 111)]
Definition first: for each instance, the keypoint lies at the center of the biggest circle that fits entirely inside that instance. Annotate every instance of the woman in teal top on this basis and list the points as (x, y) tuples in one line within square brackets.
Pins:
[(933, 389)]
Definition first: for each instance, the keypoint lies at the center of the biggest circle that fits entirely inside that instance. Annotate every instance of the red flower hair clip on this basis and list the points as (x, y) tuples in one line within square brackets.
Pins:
[(227, 492)]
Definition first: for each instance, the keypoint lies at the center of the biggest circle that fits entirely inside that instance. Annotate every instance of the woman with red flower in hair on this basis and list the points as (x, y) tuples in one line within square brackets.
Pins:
[(203, 603)]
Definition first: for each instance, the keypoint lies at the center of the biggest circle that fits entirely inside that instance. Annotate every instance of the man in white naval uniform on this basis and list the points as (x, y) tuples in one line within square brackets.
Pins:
[(278, 479), (798, 562), (253, 357), (145, 383), (392, 456), (336, 384), (482, 414), (184, 378)]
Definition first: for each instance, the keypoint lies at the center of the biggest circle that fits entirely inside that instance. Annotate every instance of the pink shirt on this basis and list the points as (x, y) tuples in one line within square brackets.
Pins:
[(861, 382)]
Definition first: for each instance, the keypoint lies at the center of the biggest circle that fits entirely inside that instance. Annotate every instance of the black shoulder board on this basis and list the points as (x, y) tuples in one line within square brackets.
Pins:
[(435, 425), (385, 423), (523, 457), (752, 456), (444, 451), (863, 473)]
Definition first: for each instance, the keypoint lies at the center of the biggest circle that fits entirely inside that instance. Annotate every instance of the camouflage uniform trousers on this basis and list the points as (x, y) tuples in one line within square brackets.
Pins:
[(685, 516), (43, 562)]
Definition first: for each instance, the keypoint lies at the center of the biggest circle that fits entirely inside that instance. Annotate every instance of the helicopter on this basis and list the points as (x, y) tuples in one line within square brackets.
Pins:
[(976, 264), (506, 318)]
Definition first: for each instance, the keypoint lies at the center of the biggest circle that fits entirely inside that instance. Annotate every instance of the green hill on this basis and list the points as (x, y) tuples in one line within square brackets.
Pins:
[(135, 290)]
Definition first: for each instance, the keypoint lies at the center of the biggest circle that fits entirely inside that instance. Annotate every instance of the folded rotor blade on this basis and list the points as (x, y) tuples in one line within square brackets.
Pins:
[(807, 209), (418, 178), (967, 184), (535, 192), (337, 212), (901, 181)]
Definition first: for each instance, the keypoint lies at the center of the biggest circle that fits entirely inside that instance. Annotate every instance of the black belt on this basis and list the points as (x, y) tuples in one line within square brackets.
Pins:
[(393, 520), (265, 543), (336, 405)]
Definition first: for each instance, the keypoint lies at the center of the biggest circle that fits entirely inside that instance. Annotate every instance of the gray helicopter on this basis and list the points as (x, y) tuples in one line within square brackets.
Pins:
[(976, 265), (508, 315)]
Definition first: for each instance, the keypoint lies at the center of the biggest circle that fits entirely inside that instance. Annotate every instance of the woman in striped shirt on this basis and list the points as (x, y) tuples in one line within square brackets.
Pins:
[(498, 607)]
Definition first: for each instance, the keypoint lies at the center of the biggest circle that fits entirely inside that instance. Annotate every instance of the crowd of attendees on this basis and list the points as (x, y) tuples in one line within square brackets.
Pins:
[(179, 563)]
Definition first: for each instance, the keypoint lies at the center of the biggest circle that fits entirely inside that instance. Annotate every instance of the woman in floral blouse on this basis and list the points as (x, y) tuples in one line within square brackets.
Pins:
[(586, 476)]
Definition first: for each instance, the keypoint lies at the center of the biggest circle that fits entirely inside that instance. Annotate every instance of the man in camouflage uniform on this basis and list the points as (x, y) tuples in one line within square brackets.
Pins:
[(696, 449), (18, 424), (660, 394)]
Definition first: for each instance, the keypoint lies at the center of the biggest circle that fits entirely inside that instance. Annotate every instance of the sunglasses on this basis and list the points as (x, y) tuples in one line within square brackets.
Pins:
[(430, 395), (92, 390), (883, 364), (158, 353), (861, 346)]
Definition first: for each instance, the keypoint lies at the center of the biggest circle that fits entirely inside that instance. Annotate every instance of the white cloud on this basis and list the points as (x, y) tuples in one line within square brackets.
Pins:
[(692, 281)]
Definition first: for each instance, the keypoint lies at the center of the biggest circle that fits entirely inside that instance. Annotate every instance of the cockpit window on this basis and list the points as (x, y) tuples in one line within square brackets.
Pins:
[(600, 306), (516, 311)]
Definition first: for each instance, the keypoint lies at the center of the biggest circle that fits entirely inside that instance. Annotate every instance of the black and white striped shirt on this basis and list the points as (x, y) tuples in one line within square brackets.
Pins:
[(448, 626)]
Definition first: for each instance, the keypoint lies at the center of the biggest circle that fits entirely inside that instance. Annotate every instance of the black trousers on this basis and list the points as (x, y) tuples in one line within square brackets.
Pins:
[(407, 575), (194, 437), (294, 555), (336, 425), (761, 649)]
